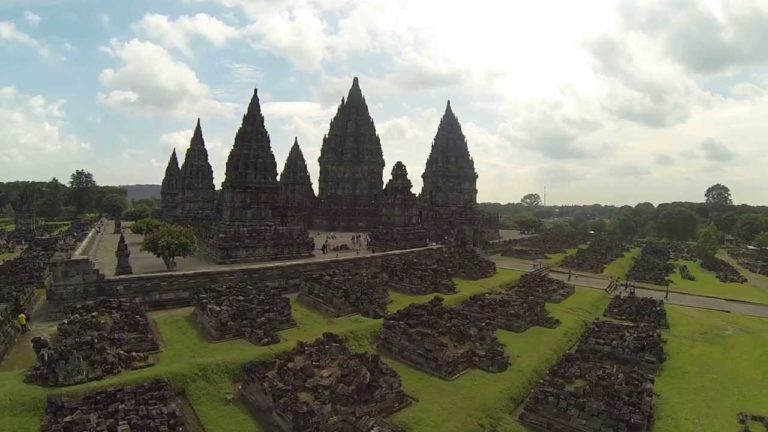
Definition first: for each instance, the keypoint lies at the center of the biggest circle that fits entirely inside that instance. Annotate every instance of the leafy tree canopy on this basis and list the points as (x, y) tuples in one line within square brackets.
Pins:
[(531, 200), (718, 195), (708, 243), (170, 242)]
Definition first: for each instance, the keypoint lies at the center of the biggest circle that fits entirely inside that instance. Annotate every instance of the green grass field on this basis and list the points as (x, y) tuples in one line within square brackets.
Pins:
[(206, 372), (717, 366), (555, 260), (706, 283), (620, 266)]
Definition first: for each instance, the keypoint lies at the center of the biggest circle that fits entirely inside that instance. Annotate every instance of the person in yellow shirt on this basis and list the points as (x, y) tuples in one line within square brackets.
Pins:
[(23, 322)]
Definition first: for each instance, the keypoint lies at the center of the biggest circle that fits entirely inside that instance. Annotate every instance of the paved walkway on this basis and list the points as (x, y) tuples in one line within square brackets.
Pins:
[(145, 263), (647, 290)]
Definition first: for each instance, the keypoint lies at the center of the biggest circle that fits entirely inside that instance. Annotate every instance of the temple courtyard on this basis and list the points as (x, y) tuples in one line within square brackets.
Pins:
[(701, 386)]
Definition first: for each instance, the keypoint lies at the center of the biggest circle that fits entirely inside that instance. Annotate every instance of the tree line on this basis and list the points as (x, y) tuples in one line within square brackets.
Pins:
[(54, 200), (678, 221)]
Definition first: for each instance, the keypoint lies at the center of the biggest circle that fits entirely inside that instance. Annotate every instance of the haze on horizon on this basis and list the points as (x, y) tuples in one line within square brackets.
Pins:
[(613, 102)]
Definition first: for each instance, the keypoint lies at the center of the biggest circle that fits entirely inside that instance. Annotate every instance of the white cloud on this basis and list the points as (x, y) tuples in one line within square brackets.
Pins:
[(35, 136), (12, 35), (31, 19), (151, 81), (177, 34)]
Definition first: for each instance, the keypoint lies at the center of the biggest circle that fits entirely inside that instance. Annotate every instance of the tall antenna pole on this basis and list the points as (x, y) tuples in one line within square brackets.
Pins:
[(545, 196)]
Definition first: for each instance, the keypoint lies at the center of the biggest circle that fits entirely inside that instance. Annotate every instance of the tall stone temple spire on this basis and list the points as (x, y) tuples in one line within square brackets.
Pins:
[(351, 167), (400, 226), (123, 255), (170, 190), (250, 189), (449, 194), (248, 226), (297, 197), (198, 194)]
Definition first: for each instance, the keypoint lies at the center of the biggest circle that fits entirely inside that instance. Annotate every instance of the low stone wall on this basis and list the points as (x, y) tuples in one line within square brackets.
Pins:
[(76, 280)]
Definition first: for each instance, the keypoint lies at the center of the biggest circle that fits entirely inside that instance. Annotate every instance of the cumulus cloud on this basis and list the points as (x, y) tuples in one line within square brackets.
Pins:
[(34, 134), (703, 36), (11, 34), (31, 19), (716, 151), (177, 34), (150, 81)]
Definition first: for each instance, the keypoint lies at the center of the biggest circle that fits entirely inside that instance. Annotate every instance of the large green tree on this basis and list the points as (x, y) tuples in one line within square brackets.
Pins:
[(146, 226), (83, 190), (171, 242), (113, 205), (750, 225), (677, 223), (718, 195), (708, 243), (527, 223), (531, 200), (762, 240)]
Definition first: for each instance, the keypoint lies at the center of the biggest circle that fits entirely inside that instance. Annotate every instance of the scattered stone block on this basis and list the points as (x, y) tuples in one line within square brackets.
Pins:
[(96, 340), (337, 293), (324, 387), (441, 340), (242, 310), (150, 406)]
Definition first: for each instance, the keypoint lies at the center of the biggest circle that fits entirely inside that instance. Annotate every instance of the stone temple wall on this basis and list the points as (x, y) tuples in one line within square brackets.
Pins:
[(76, 281)]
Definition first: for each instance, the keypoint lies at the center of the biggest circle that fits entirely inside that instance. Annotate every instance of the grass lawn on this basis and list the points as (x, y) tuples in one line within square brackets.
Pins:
[(7, 256), (706, 283), (717, 366), (206, 372), (480, 401), (620, 266), (555, 260)]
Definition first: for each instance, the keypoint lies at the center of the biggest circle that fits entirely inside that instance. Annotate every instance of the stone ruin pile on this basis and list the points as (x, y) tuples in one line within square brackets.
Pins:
[(520, 306), (638, 310), (417, 277), (724, 270), (546, 243), (19, 277), (466, 263), (543, 287), (95, 340), (241, 310), (606, 383), (744, 418), (681, 251), (600, 252), (338, 293), (150, 406), (755, 260), (686, 274), (639, 345), (652, 265), (324, 387), (509, 311), (441, 340)]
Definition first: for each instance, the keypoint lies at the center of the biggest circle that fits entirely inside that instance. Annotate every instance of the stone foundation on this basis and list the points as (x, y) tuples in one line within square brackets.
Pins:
[(235, 242), (228, 311), (145, 407), (440, 340), (323, 387), (338, 293)]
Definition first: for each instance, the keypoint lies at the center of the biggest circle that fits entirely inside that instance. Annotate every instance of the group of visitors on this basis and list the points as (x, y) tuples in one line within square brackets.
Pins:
[(357, 241)]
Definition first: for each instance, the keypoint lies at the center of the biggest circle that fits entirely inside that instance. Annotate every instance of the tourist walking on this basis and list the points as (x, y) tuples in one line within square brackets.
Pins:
[(22, 319)]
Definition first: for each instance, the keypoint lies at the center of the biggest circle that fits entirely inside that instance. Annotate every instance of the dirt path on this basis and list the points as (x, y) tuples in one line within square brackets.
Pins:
[(21, 356)]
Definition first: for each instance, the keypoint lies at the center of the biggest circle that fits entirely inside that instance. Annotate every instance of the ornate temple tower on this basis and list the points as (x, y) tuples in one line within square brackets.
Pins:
[(400, 226), (197, 193), (247, 227), (351, 168), (171, 189), (449, 195), (297, 198)]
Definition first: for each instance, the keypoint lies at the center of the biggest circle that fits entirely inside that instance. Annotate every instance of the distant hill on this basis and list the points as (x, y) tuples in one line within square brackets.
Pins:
[(136, 192)]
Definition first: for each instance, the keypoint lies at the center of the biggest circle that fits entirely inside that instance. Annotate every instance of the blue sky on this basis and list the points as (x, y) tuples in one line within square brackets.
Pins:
[(610, 102)]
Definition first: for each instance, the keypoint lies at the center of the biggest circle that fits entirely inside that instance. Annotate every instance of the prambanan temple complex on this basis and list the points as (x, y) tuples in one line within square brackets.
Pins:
[(256, 217)]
